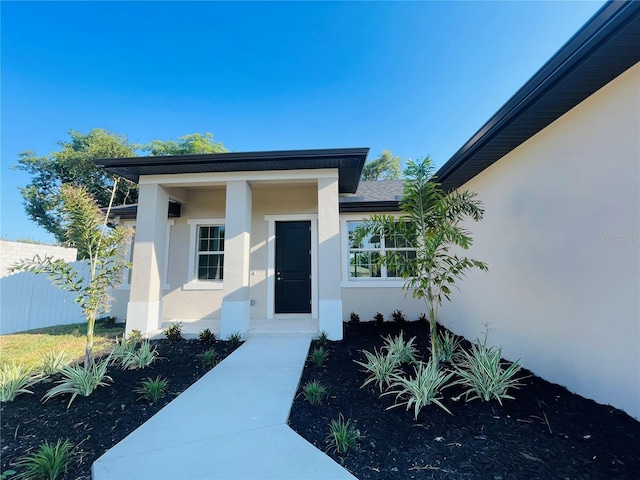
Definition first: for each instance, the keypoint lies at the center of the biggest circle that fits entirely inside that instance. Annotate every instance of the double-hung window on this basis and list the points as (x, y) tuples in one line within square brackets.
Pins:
[(366, 251), (206, 254), (210, 261)]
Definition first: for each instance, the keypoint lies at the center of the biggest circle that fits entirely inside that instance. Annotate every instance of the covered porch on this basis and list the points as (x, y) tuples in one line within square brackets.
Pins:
[(255, 249)]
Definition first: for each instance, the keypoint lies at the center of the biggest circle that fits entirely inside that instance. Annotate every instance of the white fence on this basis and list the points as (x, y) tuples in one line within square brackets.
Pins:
[(29, 301)]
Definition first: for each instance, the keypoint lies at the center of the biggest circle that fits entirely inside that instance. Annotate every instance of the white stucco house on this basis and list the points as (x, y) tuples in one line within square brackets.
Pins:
[(254, 238)]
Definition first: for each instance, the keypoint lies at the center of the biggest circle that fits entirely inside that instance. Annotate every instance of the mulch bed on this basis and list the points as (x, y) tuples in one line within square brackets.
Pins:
[(96, 423), (579, 439), (547, 432)]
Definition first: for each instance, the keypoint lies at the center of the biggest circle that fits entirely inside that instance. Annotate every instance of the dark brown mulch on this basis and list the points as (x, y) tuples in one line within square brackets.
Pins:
[(96, 423), (547, 432)]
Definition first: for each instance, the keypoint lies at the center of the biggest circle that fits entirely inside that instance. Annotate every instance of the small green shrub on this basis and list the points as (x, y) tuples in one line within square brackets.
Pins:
[(380, 368), (343, 436), (420, 390), (153, 389), (235, 340), (314, 392), (48, 462), (378, 319), (484, 375), (80, 380), (207, 336), (52, 362), (354, 318), (399, 317), (209, 358), (15, 379), (322, 339), (174, 332), (404, 352), (135, 336), (448, 347), (109, 321), (144, 356), (318, 356)]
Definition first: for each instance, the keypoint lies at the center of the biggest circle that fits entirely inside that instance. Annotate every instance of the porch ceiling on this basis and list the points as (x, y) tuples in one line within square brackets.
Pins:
[(348, 161)]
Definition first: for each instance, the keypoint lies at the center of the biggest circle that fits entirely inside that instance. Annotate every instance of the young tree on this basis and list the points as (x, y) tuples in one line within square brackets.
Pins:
[(86, 227), (74, 164), (385, 167), (431, 224)]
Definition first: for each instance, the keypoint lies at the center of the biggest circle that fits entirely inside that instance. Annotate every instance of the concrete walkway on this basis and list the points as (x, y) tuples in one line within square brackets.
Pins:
[(231, 424)]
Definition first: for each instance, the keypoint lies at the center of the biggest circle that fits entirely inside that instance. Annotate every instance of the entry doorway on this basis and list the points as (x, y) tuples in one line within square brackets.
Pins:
[(293, 276)]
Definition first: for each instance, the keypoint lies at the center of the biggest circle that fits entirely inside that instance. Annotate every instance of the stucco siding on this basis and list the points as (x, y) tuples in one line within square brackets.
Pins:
[(178, 303), (366, 302), (561, 238)]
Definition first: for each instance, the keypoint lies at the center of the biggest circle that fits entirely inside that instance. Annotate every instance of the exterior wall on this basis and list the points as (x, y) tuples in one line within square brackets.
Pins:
[(366, 302), (13, 252), (178, 303), (561, 238)]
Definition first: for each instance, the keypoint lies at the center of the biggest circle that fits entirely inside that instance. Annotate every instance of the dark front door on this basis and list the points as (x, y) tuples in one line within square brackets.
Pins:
[(293, 267)]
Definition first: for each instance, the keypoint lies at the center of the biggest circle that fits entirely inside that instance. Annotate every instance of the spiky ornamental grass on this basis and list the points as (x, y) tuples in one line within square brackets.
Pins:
[(80, 380), (152, 389), (380, 368), (209, 358), (484, 375), (420, 390), (318, 356), (343, 436), (52, 362), (49, 462), (405, 352), (449, 345), (314, 392), (15, 379), (235, 340), (142, 357)]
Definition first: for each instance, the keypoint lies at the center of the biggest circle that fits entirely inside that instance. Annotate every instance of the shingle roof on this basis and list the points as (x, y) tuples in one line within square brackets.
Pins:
[(373, 196)]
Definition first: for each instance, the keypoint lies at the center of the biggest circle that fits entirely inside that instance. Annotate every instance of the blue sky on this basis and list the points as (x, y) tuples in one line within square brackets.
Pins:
[(418, 78)]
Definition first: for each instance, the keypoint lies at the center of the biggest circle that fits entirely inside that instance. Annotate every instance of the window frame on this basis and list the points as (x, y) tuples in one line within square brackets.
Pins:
[(193, 283), (383, 280)]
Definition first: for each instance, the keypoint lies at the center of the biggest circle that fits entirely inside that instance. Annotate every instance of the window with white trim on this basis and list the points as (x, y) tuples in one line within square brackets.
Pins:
[(206, 254), (210, 252), (365, 252)]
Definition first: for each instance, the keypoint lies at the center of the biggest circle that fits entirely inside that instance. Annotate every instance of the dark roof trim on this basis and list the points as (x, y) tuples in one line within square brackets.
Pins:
[(348, 161), (602, 49)]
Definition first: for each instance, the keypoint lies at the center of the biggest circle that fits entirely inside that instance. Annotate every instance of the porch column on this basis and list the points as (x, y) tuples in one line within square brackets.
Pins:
[(329, 259), (144, 310), (236, 304)]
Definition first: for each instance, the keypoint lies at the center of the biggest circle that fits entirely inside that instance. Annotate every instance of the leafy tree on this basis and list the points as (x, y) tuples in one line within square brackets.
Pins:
[(189, 144), (385, 167), (74, 164), (104, 248), (431, 224)]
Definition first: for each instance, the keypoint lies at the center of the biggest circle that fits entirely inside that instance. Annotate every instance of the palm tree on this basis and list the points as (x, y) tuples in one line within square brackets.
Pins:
[(432, 225)]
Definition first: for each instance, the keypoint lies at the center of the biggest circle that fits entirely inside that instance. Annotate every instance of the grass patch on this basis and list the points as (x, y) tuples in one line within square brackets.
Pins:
[(28, 347)]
